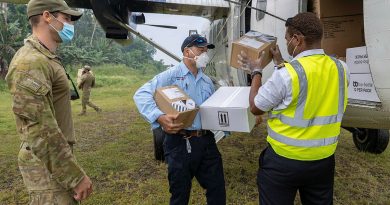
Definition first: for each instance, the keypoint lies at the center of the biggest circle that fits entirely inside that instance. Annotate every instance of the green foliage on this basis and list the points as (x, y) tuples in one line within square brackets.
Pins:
[(12, 32), (17, 12), (90, 46), (3, 87)]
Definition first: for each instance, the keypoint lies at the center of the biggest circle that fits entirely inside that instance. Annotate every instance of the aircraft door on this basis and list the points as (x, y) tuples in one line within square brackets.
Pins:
[(245, 26), (239, 27), (270, 25), (377, 32)]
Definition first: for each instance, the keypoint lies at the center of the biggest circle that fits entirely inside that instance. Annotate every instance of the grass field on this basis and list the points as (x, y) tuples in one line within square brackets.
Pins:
[(116, 150)]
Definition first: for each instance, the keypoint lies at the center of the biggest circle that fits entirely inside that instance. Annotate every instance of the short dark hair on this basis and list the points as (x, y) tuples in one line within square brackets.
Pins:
[(307, 24), (34, 20)]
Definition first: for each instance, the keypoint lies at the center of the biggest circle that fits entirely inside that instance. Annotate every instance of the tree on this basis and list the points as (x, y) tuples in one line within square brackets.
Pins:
[(89, 46), (11, 35)]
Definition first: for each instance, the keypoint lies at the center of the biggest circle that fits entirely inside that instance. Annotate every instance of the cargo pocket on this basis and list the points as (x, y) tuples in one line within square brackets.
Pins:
[(35, 174)]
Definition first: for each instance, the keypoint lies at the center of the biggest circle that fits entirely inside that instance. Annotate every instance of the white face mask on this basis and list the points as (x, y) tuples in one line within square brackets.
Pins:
[(291, 57), (201, 60)]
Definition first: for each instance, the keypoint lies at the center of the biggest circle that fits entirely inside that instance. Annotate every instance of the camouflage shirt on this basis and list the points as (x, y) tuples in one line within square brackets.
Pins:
[(87, 81), (41, 104)]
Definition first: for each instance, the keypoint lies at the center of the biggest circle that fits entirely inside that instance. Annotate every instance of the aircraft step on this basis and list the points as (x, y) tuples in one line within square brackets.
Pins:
[(364, 104)]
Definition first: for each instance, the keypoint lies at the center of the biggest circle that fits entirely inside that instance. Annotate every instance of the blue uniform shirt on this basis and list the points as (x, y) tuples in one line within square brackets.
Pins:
[(199, 89)]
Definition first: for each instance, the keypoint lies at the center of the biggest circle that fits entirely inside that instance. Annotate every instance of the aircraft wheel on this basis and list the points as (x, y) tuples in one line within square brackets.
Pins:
[(158, 140), (371, 140)]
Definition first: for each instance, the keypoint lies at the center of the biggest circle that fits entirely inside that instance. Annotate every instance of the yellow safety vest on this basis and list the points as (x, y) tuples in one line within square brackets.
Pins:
[(308, 129)]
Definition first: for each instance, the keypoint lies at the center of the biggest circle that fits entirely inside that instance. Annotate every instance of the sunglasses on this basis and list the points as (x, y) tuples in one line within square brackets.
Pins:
[(198, 40), (289, 23)]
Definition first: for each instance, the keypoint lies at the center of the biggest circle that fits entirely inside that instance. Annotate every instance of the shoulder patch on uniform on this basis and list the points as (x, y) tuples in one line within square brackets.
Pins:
[(33, 85)]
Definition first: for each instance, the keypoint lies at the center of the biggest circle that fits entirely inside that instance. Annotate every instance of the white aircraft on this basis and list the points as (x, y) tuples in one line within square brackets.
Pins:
[(367, 119)]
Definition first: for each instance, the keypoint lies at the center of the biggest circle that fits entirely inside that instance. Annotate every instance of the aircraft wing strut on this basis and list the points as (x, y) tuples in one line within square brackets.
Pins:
[(211, 9)]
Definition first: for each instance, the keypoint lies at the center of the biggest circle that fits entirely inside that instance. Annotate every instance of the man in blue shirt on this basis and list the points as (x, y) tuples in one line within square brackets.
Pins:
[(189, 151)]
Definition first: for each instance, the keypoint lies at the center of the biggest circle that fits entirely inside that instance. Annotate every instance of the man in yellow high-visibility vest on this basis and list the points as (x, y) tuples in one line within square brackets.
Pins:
[(306, 100)]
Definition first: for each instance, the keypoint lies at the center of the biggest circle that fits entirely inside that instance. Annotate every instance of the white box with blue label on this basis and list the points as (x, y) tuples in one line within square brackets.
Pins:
[(228, 110)]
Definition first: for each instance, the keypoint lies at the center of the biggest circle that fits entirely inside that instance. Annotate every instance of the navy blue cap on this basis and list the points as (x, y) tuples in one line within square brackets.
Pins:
[(197, 41)]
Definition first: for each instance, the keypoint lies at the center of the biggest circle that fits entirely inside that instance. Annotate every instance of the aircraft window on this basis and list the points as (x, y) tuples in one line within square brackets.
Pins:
[(224, 32), (214, 28), (211, 36), (220, 24), (261, 4)]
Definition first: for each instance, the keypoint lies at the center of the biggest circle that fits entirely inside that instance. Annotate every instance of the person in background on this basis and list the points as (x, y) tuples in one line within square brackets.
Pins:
[(87, 82)]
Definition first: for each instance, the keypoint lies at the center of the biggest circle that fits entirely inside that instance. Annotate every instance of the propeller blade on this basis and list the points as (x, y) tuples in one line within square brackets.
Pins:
[(161, 26), (133, 31)]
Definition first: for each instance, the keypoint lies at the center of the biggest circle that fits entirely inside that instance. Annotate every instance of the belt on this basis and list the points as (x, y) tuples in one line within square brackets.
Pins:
[(193, 133)]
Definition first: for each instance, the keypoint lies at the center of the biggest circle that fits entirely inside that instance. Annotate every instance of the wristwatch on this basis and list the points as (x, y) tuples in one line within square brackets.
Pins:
[(256, 72), (279, 66)]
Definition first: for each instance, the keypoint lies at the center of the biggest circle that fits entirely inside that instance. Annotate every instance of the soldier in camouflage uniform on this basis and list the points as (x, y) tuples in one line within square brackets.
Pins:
[(87, 82), (41, 104)]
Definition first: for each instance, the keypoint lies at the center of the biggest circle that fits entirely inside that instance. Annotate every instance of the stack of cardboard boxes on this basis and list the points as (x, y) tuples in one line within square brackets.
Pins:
[(361, 85), (343, 24), (344, 38)]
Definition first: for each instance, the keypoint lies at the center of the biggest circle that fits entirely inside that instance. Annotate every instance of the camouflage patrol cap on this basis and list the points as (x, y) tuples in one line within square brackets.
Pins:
[(87, 67), (37, 7)]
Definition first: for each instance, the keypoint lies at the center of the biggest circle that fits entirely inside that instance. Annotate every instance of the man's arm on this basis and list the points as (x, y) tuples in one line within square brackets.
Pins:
[(93, 81), (256, 74), (256, 83), (272, 92), (144, 100), (38, 126), (82, 81)]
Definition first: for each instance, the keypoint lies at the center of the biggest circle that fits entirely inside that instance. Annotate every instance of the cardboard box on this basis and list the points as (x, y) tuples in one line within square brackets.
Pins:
[(333, 8), (361, 87), (228, 110), (80, 73), (167, 98), (253, 43), (341, 33), (357, 60)]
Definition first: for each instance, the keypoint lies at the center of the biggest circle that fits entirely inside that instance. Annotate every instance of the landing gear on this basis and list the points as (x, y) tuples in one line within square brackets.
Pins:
[(370, 140), (158, 140)]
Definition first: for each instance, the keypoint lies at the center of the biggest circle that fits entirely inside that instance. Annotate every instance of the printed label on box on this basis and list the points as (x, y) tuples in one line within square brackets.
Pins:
[(179, 106), (173, 93), (223, 118), (357, 60), (251, 43), (361, 87)]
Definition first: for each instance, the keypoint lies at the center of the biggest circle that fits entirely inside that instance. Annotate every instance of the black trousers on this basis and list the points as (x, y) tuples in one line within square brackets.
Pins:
[(204, 163), (280, 178)]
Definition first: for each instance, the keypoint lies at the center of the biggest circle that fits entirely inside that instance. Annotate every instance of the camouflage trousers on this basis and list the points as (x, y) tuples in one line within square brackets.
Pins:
[(43, 190), (85, 101)]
